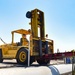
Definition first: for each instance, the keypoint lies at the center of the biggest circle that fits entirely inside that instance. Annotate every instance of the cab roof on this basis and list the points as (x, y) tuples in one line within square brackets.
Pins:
[(21, 31)]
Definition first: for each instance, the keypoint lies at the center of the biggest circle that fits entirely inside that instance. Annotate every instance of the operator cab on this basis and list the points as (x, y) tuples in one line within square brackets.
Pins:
[(23, 39)]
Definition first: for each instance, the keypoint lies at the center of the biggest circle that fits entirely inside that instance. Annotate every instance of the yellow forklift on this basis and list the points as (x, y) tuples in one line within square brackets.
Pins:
[(37, 48)]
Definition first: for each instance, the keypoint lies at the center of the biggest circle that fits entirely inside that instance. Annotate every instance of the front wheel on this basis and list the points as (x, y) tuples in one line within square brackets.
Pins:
[(43, 61), (22, 56), (32, 59)]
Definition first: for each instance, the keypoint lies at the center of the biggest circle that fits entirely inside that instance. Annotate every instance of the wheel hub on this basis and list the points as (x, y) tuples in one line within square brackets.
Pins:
[(22, 56)]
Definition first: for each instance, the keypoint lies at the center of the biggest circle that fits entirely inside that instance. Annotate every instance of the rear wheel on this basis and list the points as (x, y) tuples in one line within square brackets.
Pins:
[(43, 61), (22, 56), (1, 60)]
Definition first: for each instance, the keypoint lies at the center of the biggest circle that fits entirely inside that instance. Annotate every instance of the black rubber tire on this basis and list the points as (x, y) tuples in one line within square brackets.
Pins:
[(1, 60), (43, 61), (31, 60), (22, 56)]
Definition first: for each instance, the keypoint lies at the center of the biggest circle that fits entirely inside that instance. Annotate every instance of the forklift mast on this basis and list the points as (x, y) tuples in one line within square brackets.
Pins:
[(37, 21), (39, 45)]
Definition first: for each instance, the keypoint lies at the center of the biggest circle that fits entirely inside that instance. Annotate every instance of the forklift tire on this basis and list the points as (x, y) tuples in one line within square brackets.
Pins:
[(1, 60), (22, 56), (31, 60), (43, 61)]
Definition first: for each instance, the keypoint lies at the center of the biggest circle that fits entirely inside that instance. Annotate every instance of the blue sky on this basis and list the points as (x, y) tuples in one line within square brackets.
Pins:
[(59, 20)]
